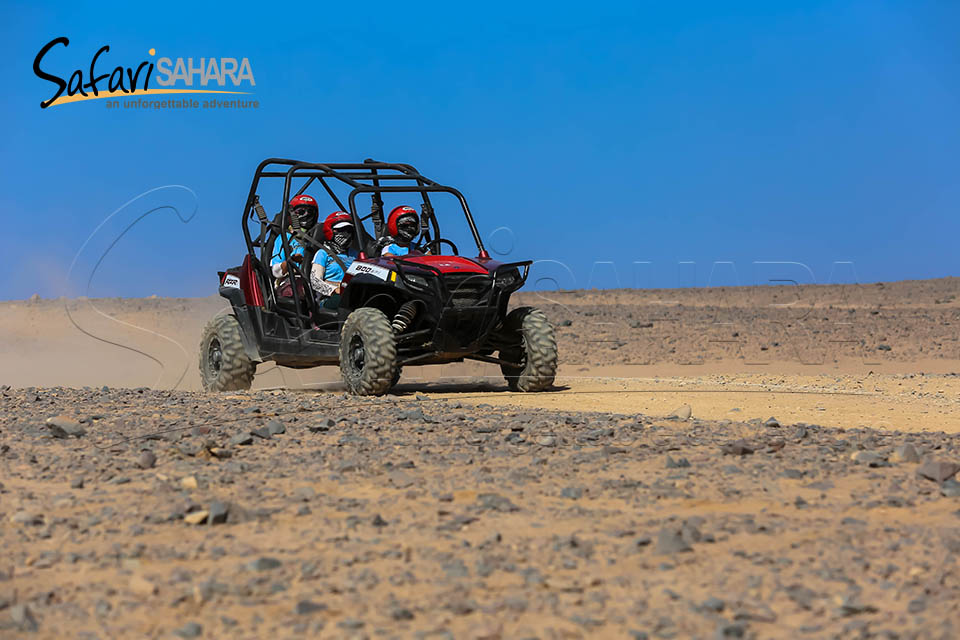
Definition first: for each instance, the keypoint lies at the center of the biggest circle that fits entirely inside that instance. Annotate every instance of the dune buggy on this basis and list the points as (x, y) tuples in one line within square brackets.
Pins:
[(427, 307)]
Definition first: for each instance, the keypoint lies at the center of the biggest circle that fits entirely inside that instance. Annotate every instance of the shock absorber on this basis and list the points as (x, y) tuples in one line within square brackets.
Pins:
[(404, 316)]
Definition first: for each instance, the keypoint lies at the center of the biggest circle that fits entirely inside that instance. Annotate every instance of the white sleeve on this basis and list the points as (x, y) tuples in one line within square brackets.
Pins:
[(276, 270), (321, 286)]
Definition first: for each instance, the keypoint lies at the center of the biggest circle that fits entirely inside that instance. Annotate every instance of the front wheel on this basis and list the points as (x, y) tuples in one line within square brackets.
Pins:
[(368, 353), (535, 357), (224, 365)]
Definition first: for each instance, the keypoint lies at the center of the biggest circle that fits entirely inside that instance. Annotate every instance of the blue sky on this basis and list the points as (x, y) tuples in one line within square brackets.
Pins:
[(652, 144)]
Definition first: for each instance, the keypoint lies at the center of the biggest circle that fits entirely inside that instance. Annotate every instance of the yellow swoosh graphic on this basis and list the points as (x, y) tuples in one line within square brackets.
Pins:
[(79, 97)]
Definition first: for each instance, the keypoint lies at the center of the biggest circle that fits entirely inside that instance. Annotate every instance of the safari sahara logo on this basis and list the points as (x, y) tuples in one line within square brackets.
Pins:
[(178, 75)]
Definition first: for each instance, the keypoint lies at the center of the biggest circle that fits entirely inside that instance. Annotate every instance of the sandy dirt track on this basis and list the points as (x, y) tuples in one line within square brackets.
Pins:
[(410, 517), (454, 508)]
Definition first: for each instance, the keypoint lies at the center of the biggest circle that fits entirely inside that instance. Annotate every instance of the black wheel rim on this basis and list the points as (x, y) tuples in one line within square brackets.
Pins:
[(356, 353), (214, 357)]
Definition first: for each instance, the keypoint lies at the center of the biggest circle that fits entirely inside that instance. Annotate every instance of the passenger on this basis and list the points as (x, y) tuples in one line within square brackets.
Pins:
[(403, 226), (328, 270), (306, 210)]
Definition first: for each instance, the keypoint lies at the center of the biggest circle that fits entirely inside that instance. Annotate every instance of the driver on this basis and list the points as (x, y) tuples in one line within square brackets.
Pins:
[(403, 226), (307, 212), (331, 262)]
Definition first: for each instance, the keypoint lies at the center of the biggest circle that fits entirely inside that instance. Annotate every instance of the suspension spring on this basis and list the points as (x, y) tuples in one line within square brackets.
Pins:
[(404, 316)]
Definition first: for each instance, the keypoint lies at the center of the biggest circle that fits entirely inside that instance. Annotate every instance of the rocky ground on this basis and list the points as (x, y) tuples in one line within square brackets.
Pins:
[(139, 513)]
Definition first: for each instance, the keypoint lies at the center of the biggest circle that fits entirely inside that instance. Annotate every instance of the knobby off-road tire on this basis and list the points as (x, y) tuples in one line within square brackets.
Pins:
[(368, 352), (537, 355), (224, 365)]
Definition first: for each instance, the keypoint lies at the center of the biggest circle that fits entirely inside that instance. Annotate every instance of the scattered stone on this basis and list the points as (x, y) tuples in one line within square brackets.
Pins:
[(495, 502), (547, 441), (950, 488), (189, 483), (905, 453), (737, 448), (196, 517), (64, 427), (241, 439), (771, 423), (713, 604), (681, 413), (263, 564), (26, 518), (189, 630), (680, 463), (937, 470), (262, 432), (218, 512), (869, 458), (306, 607), (670, 541), (573, 493), (23, 618), (275, 427), (147, 460), (379, 522), (76, 483), (322, 426)]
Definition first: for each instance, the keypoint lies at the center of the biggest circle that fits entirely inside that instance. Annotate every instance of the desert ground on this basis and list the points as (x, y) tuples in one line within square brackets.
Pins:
[(742, 462)]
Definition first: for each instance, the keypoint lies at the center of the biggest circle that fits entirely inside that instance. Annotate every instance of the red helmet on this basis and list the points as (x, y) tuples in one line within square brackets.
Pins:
[(396, 215), (335, 219), (312, 214)]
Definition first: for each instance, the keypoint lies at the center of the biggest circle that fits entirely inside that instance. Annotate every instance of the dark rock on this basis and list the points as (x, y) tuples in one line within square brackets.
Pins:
[(730, 630), (772, 422), (64, 427), (306, 607), (713, 604), (737, 448), (322, 426), (937, 470), (218, 512), (495, 502), (189, 630), (574, 493), (263, 564), (275, 427), (262, 432), (147, 460), (905, 453), (801, 595), (401, 613), (851, 606), (670, 541), (950, 488), (869, 458), (243, 438), (379, 522), (681, 463), (23, 618), (76, 483), (917, 605)]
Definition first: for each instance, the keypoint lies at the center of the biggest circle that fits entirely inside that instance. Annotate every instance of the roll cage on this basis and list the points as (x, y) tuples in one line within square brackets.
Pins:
[(370, 176)]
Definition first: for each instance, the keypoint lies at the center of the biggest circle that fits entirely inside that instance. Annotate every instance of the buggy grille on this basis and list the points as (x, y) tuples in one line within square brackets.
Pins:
[(472, 290)]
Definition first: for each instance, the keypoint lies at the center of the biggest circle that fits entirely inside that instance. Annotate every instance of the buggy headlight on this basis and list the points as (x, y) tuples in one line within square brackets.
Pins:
[(418, 281), (508, 279)]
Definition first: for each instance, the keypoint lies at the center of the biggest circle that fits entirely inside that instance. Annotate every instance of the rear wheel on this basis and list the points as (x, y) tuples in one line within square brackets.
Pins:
[(224, 365), (368, 353), (535, 357)]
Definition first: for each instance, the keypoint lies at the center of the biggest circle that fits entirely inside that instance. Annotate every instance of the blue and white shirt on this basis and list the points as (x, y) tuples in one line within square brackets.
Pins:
[(395, 249), (332, 271), (276, 258)]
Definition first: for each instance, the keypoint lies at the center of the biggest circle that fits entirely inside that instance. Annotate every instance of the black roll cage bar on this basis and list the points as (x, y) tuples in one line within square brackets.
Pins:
[(364, 177)]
